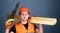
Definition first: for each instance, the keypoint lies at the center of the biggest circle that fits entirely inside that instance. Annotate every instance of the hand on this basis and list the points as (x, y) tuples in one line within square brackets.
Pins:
[(9, 25)]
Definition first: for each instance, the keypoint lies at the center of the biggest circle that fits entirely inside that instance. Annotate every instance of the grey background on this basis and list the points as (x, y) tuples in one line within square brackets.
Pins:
[(43, 8)]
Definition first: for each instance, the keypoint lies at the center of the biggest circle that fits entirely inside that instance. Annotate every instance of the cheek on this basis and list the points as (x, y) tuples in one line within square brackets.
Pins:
[(21, 17), (27, 16)]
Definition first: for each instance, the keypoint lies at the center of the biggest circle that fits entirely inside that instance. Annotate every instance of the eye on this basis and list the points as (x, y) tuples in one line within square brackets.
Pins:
[(22, 14), (26, 14)]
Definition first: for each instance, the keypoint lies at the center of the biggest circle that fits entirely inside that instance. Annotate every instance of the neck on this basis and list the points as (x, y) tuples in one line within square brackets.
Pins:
[(24, 22)]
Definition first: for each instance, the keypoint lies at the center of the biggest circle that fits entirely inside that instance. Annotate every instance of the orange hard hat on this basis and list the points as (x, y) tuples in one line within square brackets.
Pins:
[(23, 9)]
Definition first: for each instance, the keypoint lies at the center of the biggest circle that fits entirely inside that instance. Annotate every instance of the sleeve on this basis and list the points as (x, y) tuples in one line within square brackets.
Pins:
[(35, 27), (13, 29)]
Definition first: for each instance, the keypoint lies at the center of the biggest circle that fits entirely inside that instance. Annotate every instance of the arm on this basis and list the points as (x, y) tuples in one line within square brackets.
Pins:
[(39, 29), (11, 32), (7, 31), (8, 26)]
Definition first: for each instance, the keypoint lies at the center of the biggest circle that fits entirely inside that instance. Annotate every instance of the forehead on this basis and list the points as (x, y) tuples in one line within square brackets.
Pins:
[(24, 12)]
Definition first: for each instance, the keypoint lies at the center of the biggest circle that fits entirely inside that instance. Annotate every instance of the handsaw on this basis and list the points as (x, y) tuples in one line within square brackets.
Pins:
[(39, 20), (36, 20), (12, 15)]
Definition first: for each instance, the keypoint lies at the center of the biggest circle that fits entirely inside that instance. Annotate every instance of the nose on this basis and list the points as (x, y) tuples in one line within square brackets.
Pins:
[(24, 15)]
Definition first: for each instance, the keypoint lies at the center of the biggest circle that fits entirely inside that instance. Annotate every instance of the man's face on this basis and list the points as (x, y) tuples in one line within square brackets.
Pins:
[(24, 16)]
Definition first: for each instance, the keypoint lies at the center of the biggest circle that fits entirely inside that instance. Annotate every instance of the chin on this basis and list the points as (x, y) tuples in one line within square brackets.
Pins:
[(24, 20)]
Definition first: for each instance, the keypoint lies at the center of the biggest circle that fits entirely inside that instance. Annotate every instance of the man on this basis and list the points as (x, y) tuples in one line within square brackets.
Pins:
[(24, 26)]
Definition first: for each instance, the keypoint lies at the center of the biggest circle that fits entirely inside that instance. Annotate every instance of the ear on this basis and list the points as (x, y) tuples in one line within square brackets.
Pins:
[(28, 15)]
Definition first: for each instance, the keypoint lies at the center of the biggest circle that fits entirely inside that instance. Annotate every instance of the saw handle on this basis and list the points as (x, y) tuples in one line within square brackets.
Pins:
[(9, 25)]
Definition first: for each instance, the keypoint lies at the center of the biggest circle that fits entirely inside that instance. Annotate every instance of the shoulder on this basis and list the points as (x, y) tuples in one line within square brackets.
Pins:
[(31, 23), (17, 23)]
